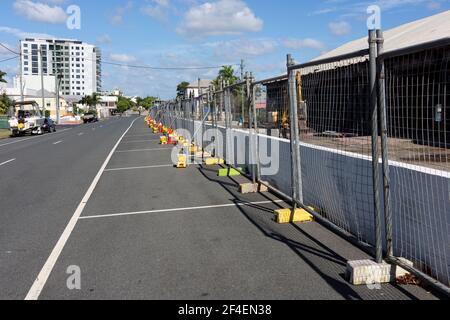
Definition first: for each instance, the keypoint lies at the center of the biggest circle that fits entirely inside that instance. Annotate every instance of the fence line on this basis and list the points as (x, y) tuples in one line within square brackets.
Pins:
[(361, 138)]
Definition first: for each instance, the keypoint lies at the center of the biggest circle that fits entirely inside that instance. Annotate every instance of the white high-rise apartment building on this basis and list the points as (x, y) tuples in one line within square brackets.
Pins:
[(77, 64)]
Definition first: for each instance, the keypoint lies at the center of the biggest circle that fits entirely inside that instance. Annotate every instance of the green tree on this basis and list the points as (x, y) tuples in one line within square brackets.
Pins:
[(227, 75), (181, 89), (139, 101), (5, 103), (124, 104), (91, 101), (94, 100), (2, 76), (148, 102)]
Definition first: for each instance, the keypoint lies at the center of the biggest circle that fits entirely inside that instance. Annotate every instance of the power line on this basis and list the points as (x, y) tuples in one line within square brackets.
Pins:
[(161, 68), (10, 50), (9, 59)]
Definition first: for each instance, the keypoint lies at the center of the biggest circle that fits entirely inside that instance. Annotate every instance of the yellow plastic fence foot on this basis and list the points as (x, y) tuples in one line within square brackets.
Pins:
[(246, 188), (214, 161), (182, 161), (290, 215)]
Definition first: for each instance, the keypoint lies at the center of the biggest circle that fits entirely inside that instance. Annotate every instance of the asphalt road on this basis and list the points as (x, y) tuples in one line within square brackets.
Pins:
[(105, 198), (40, 189)]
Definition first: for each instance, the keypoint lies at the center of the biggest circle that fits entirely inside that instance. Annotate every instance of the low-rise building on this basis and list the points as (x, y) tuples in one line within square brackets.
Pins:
[(197, 88), (15, 94)]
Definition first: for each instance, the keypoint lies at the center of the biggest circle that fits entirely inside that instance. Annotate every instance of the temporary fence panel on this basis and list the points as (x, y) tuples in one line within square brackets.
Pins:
[(418, 122)]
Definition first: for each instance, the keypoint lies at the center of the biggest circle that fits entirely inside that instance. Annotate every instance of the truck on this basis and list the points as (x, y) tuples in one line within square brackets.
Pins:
[(89, 117), (26, 118)]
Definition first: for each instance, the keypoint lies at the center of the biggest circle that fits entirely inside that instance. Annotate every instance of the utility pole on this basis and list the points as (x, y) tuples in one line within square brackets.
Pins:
[(21, 73), (242, 94), (42, 81), (57, 85), (198, 100)]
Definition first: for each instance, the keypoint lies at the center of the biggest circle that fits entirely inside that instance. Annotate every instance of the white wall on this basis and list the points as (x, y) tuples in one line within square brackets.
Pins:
[(33, 82)]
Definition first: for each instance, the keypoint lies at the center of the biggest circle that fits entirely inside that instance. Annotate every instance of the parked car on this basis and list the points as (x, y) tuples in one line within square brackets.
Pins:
[(49, 125), (90, 117)]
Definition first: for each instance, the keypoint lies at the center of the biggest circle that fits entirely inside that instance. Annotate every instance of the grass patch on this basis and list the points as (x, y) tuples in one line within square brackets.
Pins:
[(4, 133)]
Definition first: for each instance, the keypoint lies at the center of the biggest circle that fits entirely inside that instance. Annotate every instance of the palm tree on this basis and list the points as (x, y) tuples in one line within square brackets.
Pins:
[(94, 100), (226, 74), (84, 100), (2, 75), (181, 89)]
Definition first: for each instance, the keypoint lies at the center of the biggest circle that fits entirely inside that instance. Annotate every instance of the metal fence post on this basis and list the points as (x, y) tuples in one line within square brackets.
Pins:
[(228, 127), (251, 119), (255, 124), (375, 148), (297, 188), (384, 145)]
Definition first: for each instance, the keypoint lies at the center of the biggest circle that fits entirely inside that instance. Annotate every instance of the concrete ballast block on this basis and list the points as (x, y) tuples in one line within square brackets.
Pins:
[(368, 272), (246, 188)]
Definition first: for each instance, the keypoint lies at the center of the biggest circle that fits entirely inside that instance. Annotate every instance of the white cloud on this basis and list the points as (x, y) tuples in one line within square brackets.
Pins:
[(304, 43), (222, 17), (40, 12), (117, 17), (104, 39), (123, 58), (242, 48), (340, 28), (23, 34), (158, 9)]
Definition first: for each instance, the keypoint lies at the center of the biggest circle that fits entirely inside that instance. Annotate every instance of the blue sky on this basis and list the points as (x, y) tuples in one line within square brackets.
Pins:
[(186, 33)]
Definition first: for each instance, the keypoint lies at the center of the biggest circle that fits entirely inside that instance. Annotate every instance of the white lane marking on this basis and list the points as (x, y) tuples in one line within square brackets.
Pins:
[(42, 278), (136, 168), (101, 126), (3, 163), (242, 204), (143, 150), (137, 141), (81, 133), (57, 142), (22, 140), (138, 136)]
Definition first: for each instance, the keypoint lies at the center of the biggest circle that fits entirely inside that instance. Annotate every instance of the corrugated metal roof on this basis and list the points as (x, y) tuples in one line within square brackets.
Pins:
[(429, 29)]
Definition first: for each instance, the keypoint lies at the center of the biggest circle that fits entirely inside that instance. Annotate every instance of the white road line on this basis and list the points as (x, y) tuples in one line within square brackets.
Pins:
[(143, 150), (57, 142), (42, 278), (22, 140), (137, 168), (81, 133), (3, 163), (243, 204)]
